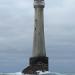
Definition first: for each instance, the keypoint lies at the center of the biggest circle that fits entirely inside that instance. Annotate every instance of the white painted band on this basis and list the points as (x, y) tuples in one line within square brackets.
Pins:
[(39, 3)]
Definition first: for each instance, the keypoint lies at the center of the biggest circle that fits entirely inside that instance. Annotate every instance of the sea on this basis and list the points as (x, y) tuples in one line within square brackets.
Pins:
[(38, 73)]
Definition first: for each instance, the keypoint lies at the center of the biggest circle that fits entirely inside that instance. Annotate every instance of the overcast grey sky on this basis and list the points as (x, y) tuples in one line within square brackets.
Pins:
[(16, 34)]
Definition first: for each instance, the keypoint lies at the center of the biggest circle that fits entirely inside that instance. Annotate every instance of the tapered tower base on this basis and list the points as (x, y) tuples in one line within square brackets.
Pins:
[(36, 64)]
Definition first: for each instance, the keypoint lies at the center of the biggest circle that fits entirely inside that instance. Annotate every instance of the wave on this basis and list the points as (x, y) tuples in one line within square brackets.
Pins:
[(38, 73)]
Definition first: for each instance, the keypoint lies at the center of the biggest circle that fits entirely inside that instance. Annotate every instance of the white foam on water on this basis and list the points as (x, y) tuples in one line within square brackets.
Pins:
[(38, 73), (48, 73)]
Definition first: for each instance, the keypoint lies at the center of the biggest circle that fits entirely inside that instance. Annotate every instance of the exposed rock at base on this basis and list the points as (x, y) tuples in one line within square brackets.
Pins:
[(33, 68)]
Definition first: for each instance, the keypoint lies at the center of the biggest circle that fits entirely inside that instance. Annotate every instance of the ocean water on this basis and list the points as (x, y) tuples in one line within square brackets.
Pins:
[(39, 73)]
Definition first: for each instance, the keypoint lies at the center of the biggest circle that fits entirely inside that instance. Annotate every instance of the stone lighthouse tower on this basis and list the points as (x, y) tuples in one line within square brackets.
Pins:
[(39, 41), (38, 61)]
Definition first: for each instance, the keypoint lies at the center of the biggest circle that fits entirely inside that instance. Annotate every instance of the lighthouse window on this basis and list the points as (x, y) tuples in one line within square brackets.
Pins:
[(35, 28)]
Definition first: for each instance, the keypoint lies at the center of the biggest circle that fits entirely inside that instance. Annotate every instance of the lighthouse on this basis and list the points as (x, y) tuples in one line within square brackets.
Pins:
[(38, 60), (39, 41)]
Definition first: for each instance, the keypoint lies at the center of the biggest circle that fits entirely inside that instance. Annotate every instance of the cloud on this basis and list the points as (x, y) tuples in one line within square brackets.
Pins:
[(59, 22)]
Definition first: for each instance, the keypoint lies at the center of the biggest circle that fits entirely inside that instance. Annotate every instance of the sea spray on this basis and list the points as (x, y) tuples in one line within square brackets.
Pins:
[(38, 73)]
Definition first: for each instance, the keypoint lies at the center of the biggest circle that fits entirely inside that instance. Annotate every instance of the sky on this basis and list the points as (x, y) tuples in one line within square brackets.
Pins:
[(16, 34)]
